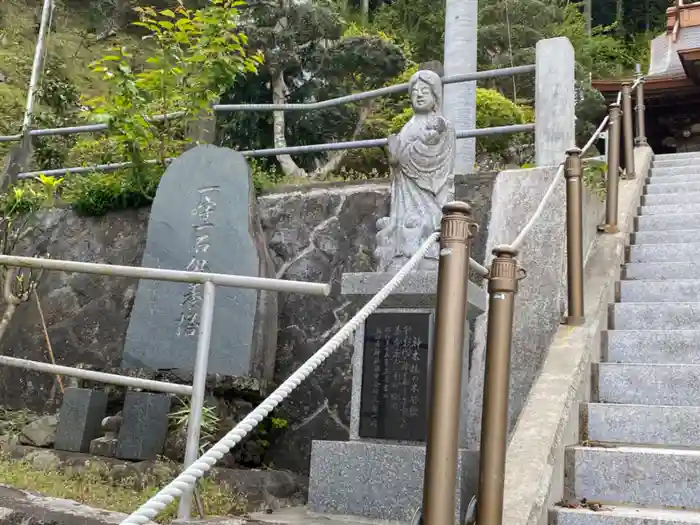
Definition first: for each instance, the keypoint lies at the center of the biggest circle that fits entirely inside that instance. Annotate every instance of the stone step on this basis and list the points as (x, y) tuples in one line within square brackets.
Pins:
[(649, 384), (623, 516), (678, 156), (670, 198), (670, 209), (653, 477), (666, 291), (673, 187), (671, 252), (652, 346), (661, 271), (655, 316), (665, 236), (674, 174), (676, 163), (674, 426), (671, 221)]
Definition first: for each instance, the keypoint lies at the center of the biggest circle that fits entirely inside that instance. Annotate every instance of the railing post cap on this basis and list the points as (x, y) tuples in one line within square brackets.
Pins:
[(574, 151), (626, 83), (614, 105), (504, 249), (457, 207)]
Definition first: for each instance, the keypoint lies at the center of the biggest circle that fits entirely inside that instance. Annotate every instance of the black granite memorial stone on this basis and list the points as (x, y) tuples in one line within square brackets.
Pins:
[(80, 419), (145, 426), (395, 361)]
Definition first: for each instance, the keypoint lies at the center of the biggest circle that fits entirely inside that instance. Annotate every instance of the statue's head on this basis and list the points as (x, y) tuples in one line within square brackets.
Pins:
[(425, 89)]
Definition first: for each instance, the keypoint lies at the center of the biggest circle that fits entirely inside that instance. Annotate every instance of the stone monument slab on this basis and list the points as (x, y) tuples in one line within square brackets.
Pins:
[(145, 426), (80, 419), (394, 400), (203, 219)]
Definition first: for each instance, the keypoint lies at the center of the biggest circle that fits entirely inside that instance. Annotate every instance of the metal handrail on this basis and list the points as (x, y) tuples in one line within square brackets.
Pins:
[(292, 150), (308, 106)]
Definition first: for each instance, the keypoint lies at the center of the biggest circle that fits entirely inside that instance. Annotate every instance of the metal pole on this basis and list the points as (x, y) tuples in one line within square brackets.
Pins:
[(440, 477), (628, 130), (641, 139), (503, 285), (38, 63), (199, 384), (177, 276), (100, 377), (574, 235), (610, 225)]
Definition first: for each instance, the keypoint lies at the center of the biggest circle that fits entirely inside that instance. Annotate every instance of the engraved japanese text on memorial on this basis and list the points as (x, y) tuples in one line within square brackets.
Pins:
[(395, 376), (188, 324)]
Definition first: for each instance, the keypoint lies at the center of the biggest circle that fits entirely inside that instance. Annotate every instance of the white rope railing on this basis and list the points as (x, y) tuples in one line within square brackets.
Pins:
[(188, 478)]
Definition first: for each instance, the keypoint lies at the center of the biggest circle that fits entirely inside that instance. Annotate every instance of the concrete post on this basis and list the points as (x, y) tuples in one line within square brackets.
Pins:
[(555, 115)]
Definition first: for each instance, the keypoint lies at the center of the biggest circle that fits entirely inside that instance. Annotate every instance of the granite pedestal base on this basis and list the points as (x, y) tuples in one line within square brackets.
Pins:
[(379, 481)]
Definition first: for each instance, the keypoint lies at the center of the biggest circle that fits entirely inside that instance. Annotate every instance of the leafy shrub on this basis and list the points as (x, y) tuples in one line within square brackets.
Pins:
[(98, 193)]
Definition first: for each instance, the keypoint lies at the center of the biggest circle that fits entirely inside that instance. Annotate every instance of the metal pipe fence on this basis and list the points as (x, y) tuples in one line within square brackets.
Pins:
[(292, 150), (197, 390), (307, 106)]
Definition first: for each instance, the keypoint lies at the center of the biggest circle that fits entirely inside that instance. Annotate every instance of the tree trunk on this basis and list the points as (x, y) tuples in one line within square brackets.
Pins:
[(461, 19)]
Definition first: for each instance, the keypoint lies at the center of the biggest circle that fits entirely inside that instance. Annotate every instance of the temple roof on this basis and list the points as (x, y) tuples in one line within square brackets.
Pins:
[(675, 58)]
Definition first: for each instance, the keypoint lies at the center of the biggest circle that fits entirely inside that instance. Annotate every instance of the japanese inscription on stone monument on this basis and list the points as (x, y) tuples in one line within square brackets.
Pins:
[(188, 324), (395, 376)]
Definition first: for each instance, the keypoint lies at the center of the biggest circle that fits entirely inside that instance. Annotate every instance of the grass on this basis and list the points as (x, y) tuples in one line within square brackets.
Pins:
[(94, 485)]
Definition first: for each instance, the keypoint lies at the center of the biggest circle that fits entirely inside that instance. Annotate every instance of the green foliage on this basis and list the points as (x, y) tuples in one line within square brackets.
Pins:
[(179, 420), (195, 55), (99, 193), (594, 177), (311, 53)]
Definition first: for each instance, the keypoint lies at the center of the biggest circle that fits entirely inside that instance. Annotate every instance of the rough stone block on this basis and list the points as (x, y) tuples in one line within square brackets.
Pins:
[(516, 195), (656, 316), (669, 236), (378, 481), (555, 101), (683, 290), (676, 221), (677, 426), (653, 346), (647, 384), (675, 176), (672, 188), (204, 219), (664, 252), (623, 516), (631, 476), (80, 418), (105, 447), (676, 156), (670, 198), (145, 427), (671, 270), (668, 173)]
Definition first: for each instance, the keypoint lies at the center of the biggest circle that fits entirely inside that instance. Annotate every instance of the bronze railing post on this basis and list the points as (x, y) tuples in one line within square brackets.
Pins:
[(440, 480), (503, 284), (641, 139), (574, 235), (628, 130), (612, 185)]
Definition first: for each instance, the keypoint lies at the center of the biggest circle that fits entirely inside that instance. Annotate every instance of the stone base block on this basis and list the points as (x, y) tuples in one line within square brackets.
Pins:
[(379, 481), (80, 418), (418, 290), (105, 447), (145, 427)]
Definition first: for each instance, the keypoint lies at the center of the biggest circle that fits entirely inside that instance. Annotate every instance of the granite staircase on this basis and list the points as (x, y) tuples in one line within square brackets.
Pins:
[(639, 459)]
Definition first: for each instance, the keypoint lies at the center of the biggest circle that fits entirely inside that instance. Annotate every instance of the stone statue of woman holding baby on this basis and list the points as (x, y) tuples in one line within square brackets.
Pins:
[(421, 157)]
